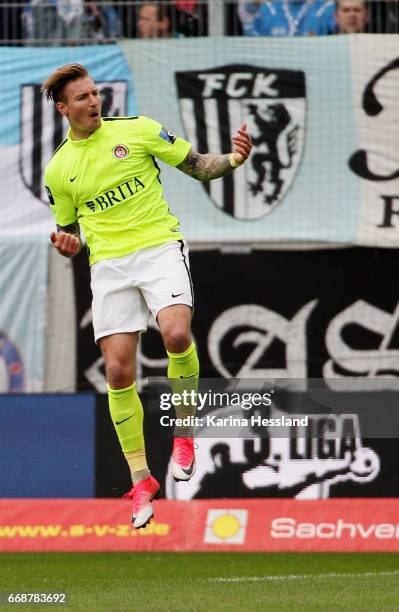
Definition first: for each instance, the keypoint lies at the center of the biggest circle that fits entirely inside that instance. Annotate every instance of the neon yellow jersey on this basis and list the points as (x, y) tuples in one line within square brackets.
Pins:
[(110, 184)]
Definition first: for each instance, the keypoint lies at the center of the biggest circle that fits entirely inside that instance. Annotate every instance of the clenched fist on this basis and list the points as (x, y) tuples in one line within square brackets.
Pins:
[(67, 245)]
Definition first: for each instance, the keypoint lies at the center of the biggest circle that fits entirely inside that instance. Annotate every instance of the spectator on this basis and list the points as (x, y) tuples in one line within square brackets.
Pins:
[(40, 21), (191, 17), (291, 18), (71, 15), (103, 21), (153, 21), (94, 21), (351, 16), (112, 24), (53, 22), (247, 12)]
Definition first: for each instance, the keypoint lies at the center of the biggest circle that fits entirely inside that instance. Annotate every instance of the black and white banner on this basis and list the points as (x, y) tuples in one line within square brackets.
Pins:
[(337, 462), (322, 113), (330, 315), (302, 314), (214, 102)]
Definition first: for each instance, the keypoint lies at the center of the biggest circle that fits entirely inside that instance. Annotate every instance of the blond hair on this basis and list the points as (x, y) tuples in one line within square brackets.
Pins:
[(53, 86)]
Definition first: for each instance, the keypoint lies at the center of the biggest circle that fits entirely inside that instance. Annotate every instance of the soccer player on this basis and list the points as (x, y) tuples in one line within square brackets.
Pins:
[(104, 177)]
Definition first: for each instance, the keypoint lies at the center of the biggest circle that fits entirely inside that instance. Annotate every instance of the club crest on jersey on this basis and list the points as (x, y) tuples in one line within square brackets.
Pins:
[(43, 129), (120, 151), (213, 104)]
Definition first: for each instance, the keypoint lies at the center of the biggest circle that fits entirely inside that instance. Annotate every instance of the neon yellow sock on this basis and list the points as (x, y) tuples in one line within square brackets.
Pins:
[(127, 416), (183, 373)]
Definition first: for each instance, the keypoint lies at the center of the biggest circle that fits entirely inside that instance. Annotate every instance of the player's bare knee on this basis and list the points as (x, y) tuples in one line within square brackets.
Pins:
[(120, 374), (176, 339)]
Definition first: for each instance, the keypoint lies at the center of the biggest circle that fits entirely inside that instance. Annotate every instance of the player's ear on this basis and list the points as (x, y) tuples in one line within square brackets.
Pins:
[(61, 108)]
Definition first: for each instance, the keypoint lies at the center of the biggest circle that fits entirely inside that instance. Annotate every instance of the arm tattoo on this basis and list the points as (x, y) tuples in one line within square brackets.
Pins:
[(205, 167), (72, 228)]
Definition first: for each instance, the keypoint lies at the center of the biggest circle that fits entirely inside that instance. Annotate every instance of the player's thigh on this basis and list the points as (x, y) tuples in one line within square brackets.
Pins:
[(165, 278), (118, 306)]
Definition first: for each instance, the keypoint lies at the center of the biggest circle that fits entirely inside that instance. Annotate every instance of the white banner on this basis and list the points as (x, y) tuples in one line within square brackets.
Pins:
[(321, 111), (325, 163), (375, 77)]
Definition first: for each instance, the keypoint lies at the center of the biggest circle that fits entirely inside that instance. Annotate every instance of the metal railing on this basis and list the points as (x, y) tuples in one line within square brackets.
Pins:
[(57, 22)]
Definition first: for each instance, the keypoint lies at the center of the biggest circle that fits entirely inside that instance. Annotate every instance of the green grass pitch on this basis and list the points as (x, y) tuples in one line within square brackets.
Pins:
[(206, 581)]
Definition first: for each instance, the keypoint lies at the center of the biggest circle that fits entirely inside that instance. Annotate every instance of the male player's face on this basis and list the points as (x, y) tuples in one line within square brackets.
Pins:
[(81, 105)]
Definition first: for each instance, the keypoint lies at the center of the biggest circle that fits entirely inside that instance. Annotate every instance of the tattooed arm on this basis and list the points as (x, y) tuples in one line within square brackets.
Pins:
[(207, 166)]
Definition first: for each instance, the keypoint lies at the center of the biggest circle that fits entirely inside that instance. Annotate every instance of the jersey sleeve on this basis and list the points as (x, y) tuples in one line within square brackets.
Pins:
[(61, 203), (159, 141)]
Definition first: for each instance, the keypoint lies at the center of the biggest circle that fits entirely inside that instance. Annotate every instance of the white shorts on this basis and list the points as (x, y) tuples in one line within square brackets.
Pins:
[(126, 289)]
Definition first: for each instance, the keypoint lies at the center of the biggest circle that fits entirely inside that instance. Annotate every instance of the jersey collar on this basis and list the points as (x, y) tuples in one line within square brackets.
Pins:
[(81, 143)]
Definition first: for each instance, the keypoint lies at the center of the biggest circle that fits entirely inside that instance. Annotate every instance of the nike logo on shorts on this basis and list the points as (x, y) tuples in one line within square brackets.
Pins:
[(72, 179), (177, 294)]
